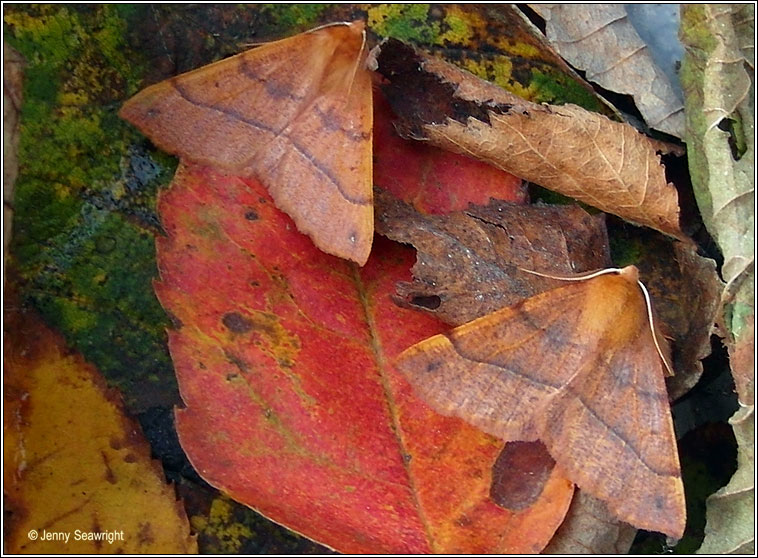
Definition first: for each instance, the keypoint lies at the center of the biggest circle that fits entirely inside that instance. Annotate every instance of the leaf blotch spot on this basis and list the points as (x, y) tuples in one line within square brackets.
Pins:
[(236, 323), (252, 215)]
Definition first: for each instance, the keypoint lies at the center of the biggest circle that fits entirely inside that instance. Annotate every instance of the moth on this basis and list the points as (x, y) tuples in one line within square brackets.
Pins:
[(296, 114), (581, 368)]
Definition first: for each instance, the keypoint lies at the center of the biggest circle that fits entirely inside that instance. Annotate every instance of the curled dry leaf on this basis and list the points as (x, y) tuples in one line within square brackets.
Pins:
[(600, 40), (720, 108), (296, 114), (728, 528), (567, 149), (718, 80), (468, 262), (74, 461), (578, 368), (590, 529)]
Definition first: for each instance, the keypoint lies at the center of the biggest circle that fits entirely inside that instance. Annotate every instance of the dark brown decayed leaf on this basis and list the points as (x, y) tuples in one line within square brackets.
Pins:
[(567, 149), (685, 289), (467, 262)]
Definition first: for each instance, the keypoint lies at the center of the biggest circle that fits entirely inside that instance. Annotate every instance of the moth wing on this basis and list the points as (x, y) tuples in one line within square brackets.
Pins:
[(499, 370), (610, 429), (275, 112)]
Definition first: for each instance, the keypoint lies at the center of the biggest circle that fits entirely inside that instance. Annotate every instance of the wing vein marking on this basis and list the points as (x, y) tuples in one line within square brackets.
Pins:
[(276, 133)]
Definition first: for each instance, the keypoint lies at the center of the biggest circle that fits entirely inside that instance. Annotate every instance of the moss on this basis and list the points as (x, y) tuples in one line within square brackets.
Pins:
[(295, 16), (625, 249), (407, 22), (70, 197), (556, 88)]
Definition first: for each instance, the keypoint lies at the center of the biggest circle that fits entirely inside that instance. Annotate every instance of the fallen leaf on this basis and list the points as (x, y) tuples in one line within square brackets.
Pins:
[(718, 82), (720, 118), (293, 407), (567, 149), (493, 41), (431, 179), (578, 368), (600, 40), (296, 114), (590, 529), (468, 262), (728, 528), (74, 464)]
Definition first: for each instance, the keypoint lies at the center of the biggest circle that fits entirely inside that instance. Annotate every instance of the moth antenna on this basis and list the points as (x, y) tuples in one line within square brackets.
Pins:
[(648, 303), (579, 277), (358, 62), (649, 306)]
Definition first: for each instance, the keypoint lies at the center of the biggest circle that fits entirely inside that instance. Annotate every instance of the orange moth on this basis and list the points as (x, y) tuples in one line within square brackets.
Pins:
[(294, 113), (581, 368)]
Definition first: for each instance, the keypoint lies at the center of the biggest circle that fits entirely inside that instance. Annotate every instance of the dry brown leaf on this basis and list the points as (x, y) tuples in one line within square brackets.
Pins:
[(78, 474), (567, 149), (467, 262), (685, 289), (590, 529), (600, 40)]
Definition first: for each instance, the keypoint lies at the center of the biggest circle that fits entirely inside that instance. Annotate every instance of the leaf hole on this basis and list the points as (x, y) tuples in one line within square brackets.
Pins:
[(736, 138), (429, 302)]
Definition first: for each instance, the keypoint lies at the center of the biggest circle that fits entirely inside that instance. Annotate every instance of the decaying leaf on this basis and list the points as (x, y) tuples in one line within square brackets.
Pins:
[(78, 474), (296, 114), (720, 118), (567, 149), (717, 77), (728, 529), (685, 289), (590, 529), (293, 406), (468, 262), (600, 40), (578, 368)]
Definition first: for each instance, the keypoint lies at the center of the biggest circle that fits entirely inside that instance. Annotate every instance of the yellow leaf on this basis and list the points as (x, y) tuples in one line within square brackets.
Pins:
[(78, 474)]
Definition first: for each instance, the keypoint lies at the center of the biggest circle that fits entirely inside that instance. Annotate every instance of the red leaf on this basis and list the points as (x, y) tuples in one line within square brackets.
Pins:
[(431, 179), (284, 359)]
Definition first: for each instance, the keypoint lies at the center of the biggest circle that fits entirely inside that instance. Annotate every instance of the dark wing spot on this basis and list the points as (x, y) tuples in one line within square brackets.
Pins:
[(432, 366)]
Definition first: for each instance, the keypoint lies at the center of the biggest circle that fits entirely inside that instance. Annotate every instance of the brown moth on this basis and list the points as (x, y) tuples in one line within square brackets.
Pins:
[(581, 368), (296, 114)]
